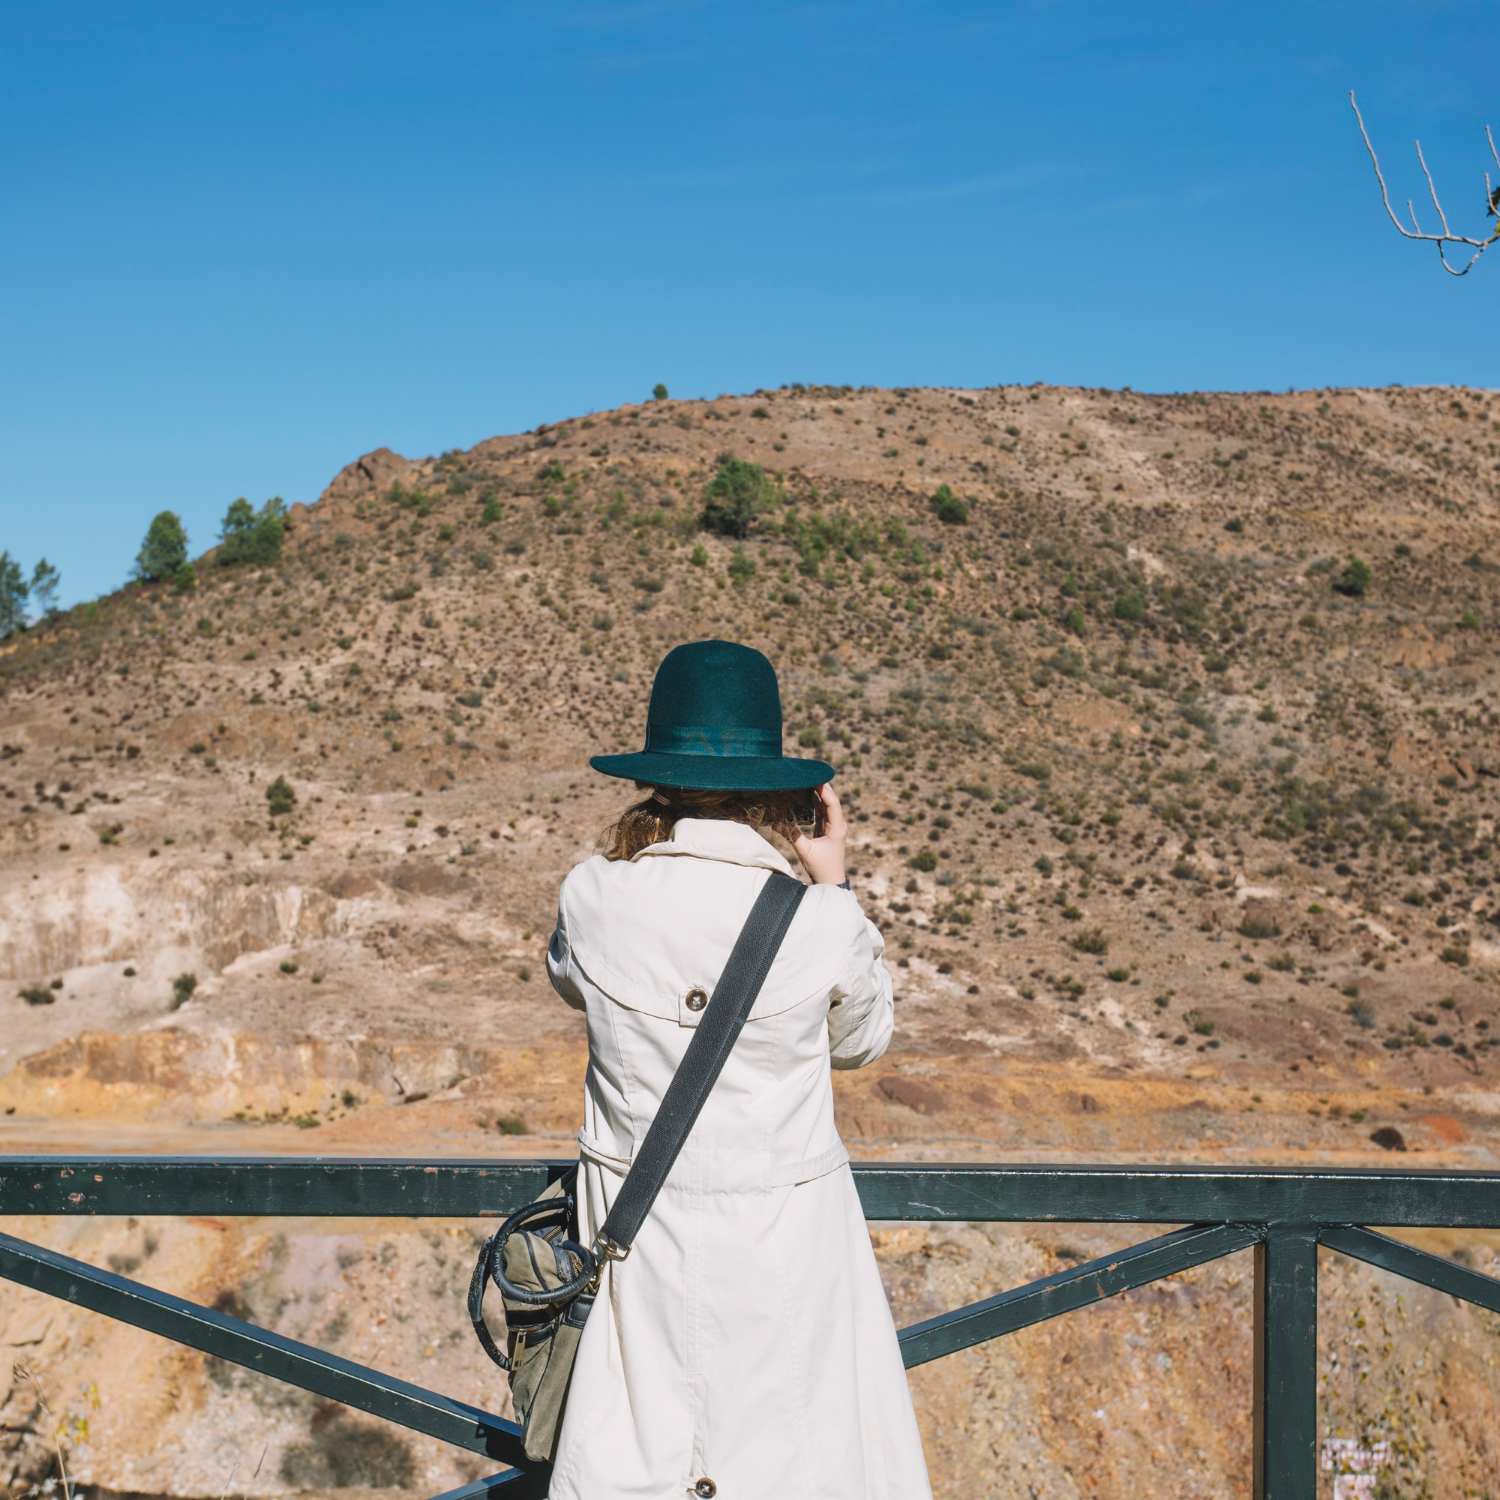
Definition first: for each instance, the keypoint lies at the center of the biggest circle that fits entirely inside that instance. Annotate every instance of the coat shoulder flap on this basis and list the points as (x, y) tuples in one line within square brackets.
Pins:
[(646, 933)]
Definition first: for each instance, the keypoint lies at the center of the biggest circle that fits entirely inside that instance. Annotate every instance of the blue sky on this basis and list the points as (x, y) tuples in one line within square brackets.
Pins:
[(244, 244)]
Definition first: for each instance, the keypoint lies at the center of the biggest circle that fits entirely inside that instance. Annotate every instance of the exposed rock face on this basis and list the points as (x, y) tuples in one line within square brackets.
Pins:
[(1181, 852)]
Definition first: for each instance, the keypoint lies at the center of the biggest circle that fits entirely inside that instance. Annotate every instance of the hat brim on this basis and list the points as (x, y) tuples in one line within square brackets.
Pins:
[(717, 773)]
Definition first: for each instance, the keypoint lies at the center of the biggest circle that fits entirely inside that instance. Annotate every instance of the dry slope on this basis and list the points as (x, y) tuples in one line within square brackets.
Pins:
[(1182, 832)]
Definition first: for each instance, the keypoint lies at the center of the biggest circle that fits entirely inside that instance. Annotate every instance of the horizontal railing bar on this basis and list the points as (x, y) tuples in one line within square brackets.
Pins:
[(1178, 1195), (259, 1349), (513, 1484), (1066, 1291), (1416, 1265), (288, 1187), (335, 1187)]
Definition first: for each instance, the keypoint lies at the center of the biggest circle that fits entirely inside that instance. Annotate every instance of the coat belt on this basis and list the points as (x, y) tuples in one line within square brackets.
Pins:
[(747, 1179)]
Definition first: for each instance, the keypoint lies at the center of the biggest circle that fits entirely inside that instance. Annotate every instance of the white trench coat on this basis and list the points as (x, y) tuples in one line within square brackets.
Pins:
[(746, 1340)]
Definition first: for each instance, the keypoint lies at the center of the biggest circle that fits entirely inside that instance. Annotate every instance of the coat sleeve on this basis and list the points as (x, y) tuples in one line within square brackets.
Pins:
[(861, 1013), (561, 969)]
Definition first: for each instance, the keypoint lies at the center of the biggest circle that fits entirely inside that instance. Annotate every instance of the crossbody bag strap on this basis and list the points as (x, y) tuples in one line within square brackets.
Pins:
[(718, 1030)]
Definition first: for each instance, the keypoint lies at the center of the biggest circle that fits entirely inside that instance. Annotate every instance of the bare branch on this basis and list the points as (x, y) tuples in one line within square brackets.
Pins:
[(1446, 238)]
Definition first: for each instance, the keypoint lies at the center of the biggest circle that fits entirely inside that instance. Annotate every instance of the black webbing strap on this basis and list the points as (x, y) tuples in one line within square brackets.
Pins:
[(718, 1030)]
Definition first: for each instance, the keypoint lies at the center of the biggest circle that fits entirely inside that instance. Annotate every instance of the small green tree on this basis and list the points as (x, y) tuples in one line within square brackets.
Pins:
[(43, 587), (13, 592), (949, 508), (1075, 622), (252, 536), (1355, 580), (164, 550), (658, 392), (737, 493), (1129, 605), (280, 798)]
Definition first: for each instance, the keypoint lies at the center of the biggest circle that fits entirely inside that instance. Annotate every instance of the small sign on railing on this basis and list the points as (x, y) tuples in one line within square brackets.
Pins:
[(1354, 1464)]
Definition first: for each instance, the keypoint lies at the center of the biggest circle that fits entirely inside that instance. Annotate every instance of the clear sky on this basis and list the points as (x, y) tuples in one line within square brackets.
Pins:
[(243, 244)]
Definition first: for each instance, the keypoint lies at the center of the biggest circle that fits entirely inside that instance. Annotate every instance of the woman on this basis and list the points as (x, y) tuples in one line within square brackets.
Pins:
[(745, 1348)]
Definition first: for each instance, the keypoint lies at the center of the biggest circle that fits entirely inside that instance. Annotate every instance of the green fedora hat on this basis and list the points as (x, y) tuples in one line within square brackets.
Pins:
[(714, 723)]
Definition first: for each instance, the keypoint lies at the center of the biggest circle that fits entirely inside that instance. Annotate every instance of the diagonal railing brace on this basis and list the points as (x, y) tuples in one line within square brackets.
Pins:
[(1068, 1290), (1416, 1265), (263, 1351)]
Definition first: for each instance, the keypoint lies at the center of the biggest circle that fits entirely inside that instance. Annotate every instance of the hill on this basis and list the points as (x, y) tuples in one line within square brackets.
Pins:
[(1166, 723)]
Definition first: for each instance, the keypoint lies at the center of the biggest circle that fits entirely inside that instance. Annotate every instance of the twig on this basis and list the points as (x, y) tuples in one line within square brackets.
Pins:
[(1416, 232), (256, 1475), (20, 1372)]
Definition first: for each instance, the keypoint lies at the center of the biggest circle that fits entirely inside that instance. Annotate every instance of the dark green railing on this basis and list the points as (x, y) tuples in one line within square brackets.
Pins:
[(1284, 1215)]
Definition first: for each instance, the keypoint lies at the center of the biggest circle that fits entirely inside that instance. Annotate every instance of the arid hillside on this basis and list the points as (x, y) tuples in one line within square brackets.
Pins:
[(1167, 725)]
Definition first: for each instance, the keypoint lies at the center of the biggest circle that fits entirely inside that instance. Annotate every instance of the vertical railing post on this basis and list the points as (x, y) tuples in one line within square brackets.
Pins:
[(1286, 1363)]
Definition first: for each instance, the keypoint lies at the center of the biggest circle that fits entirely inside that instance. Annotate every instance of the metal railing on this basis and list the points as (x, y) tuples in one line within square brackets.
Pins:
[(1284, 1215)]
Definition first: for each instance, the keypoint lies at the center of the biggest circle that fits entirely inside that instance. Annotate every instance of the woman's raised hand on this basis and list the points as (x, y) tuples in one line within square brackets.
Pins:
[(822, 855)]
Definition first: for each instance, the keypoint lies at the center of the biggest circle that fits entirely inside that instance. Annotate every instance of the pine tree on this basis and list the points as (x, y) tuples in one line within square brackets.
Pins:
[(164, 551)]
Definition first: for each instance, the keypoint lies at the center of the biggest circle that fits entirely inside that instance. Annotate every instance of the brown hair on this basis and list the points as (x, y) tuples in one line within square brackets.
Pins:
[(652, 820)]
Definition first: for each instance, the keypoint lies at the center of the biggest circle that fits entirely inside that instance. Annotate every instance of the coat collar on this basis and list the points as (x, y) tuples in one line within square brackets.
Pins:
[(721, 839)]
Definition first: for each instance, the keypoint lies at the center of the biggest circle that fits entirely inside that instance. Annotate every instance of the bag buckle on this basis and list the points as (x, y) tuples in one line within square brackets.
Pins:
[(608, 1250)]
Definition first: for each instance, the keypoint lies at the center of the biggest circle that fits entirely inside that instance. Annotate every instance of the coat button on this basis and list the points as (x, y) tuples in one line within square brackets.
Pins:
[(705, 1487), (696, 1000)]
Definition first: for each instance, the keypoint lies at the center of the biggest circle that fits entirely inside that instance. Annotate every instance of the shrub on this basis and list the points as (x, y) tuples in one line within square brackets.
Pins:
[(923, 859), (1355, 580), (659, 392), (164, 550), (1090, 940), (699, 556), (280, 798), (1468, 620), (741, 567), (737, 493), (810, 737), (1117, 976), (949, 508), (182, 990), (1258, 925), (37, 994), (252, 536), (1075, 622), (1200, 1023), (1362, 1013), (1035, 769), (471, 698), (491, 512), (1129, 605)]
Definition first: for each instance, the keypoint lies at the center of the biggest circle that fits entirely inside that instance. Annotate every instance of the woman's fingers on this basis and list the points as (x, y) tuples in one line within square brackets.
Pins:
[(834, 822)]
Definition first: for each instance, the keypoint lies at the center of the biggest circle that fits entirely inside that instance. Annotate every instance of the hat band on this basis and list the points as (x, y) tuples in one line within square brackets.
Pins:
[(704, 739)]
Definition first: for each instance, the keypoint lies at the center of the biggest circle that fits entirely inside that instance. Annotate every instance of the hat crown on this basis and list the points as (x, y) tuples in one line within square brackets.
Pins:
[(718, 685), (714, 698)]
